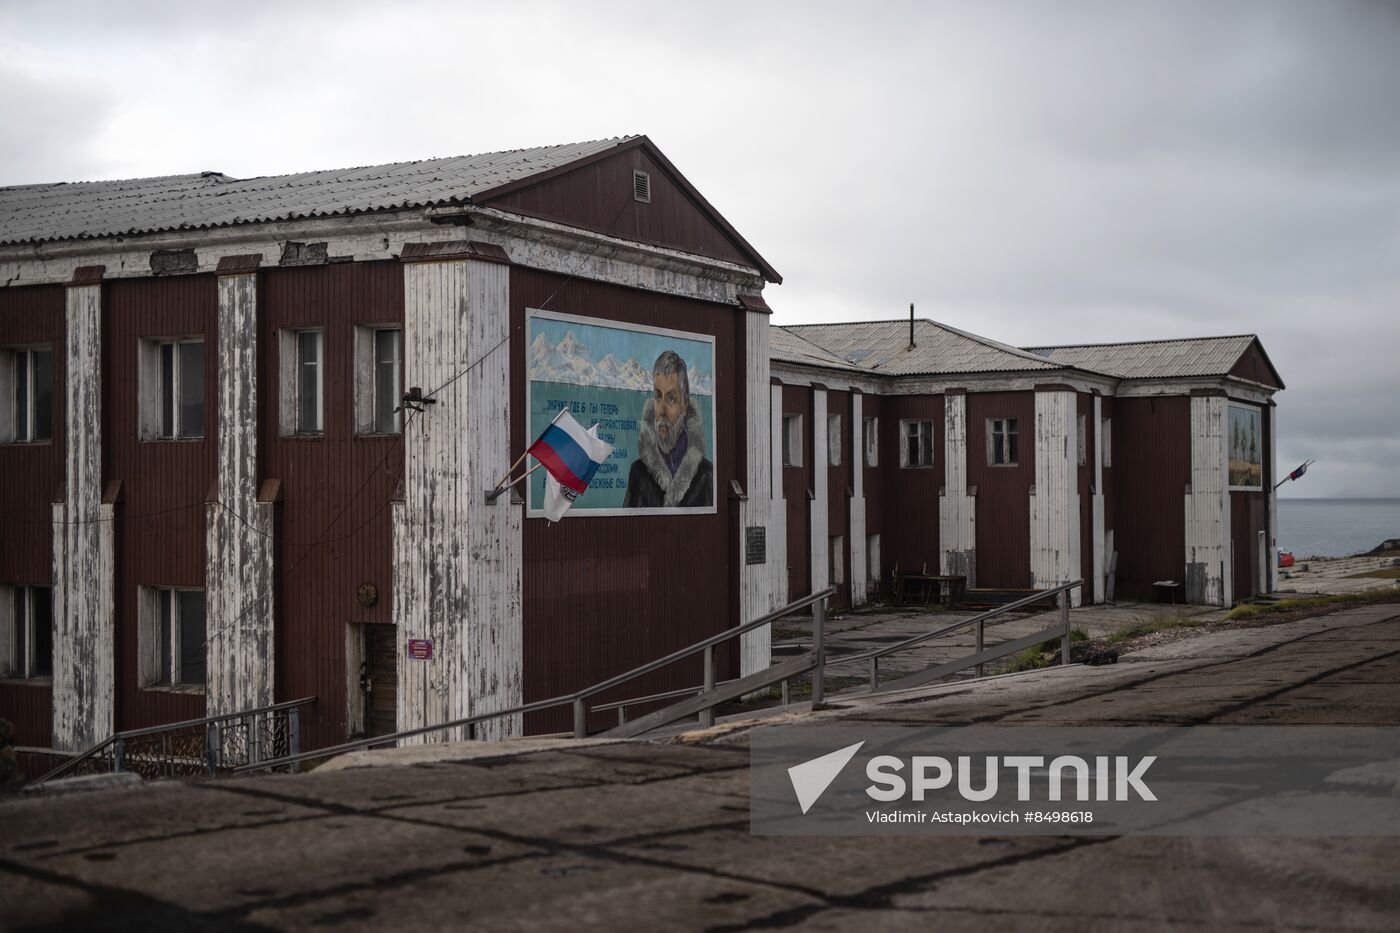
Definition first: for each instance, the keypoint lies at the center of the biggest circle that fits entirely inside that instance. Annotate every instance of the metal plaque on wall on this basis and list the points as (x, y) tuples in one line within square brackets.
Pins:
[(755, 545)]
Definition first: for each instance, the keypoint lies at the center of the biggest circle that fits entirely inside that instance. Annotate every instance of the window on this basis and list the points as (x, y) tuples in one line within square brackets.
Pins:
[(172, 389), (872, 564), (27, 375), (302, 365), (833, 440), (872, 441), (1083, 440), (836, 555), (1106, 441), (172, 637), (378, 379), (26, 631), (1002, 449), (917, 449), (792, 440)]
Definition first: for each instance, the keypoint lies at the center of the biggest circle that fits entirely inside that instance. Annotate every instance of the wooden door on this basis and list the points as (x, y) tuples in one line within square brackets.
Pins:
[(381, 679)]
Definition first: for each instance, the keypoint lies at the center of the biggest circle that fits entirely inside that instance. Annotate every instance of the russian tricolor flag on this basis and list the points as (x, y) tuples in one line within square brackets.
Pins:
[(570, 454)]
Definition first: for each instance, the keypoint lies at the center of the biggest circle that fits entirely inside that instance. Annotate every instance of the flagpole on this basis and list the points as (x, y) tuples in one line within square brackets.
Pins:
[(501, 483)]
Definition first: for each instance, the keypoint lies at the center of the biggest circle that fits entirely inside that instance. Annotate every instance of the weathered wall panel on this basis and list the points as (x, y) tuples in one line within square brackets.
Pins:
[(855, 527), (239, 601), (30, 475), (599, 197), (797, 494), (1151, 468), (873, 490), (161, 525), (957, 511), (910, 507), (605, 594), (333, 521), (1209, 569), (1003, 492), (818, 568), (84, 574), (763, 585), (1054, 504)]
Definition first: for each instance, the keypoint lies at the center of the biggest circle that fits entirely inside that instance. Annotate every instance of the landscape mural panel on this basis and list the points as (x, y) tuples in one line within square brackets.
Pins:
[(605, 375), (1246, 448)]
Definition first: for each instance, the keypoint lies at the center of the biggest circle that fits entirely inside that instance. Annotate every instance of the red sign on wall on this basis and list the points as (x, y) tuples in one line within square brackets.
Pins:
[(420, 649)]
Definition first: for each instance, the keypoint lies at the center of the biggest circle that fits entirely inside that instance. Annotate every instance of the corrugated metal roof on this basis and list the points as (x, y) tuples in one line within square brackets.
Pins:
[(1154, 359), (63, 211), (784, 346), (883, 347)]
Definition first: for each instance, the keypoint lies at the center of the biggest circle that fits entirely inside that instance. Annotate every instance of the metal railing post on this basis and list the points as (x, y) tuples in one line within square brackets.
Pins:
[(119, 755), (874, 674), (980, 633), (787, 692), (211, 748), (707, 715), (819, 644), (294, 730), (1064, 623), (580, 720)]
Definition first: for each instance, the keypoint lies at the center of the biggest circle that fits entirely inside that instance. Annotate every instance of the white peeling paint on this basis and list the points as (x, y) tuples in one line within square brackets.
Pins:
[(762, 587), (821, 560), (856, 531), (239, 575), (1271, 478), (457, 559), (83, 547), (1055, 502), (1100, 568), (957, 511), (1208, 565)]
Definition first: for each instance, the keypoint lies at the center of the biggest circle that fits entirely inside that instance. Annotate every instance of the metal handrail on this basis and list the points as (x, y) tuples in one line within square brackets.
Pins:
[(576, 699), (126, 734), (949, 629), (979, 656)]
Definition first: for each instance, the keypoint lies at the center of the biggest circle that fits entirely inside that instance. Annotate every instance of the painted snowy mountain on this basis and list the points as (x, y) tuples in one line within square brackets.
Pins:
[(571, 362)]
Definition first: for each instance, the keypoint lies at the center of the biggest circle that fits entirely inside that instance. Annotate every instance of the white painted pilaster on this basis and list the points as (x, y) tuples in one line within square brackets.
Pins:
[(1055, 501), (762, 585), (957, 511), (856, 533), (1272, 480), (457, 558), (83, 547), (821, 561), (239, 575), (1099, 566), (1208, 565)]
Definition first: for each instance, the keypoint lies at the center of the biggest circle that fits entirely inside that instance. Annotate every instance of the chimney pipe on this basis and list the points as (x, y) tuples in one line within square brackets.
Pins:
[(911, 325)]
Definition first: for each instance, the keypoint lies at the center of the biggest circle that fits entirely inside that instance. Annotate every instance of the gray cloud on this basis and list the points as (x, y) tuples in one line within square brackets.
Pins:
[(1037, 171)]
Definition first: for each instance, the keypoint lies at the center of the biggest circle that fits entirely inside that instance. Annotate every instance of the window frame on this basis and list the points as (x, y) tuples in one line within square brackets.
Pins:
[(20, 426), (153, 646), (1106, 442), (792, 440), (870, 439), (1010, 430), (833, 440), (927, 457), (367, 369), (151, 388), (291, 365), (317, 382), (1082, 427), (17, 633)]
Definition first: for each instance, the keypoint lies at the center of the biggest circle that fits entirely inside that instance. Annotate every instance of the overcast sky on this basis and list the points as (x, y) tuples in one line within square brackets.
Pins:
[(1041, 172)]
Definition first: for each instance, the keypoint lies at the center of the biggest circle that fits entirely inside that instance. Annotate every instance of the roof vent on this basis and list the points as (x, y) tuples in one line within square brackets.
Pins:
[(641, 186)]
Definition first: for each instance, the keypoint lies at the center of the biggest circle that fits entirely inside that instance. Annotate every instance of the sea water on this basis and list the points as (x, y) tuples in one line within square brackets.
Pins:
[(1336, 527)]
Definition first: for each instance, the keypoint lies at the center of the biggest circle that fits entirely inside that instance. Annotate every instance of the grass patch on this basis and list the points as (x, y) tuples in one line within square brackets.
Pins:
[(1042, 655), (1381, 573), (1252, 610), (1151, 628)]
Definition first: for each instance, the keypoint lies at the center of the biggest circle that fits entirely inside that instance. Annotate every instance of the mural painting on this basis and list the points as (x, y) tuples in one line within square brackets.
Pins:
[(650, 391), (1246, 448)]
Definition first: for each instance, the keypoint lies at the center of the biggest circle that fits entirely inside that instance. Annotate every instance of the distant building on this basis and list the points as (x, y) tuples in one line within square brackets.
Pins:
[(917, 446), (249, 427)]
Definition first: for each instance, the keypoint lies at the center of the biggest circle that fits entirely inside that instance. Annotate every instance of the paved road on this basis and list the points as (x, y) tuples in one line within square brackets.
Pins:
[(655, 836)]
